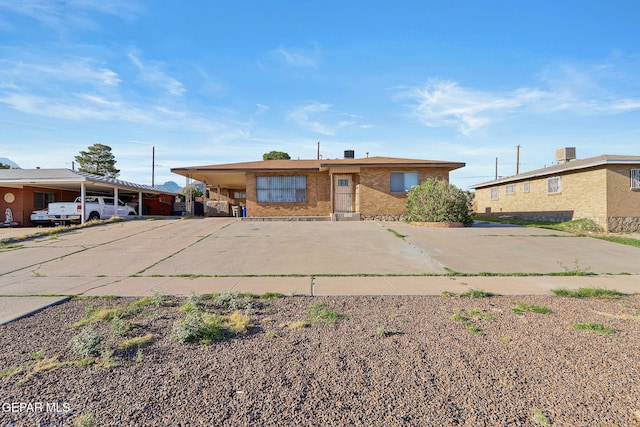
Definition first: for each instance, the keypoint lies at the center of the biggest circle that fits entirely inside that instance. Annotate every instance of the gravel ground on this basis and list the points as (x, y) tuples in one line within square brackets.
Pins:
[(393, 361)]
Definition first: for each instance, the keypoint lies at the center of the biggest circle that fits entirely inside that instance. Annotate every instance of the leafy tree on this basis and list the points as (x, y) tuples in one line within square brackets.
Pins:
[(98, 160), (191, 189), (438, 201), (3, 166), (276, 155)]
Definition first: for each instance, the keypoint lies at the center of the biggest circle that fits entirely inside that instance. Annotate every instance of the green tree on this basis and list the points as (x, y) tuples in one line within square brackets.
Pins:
[(438, 201), (276, 155), (3, 166), (98, 160)]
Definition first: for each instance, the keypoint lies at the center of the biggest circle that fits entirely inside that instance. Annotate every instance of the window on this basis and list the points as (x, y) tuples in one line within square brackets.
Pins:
[(281, 189), (343, 183), (239, 194), (402, 181), (635, 178), (526, 186), (510, 189), (42, 200), (554, 185), (494, 193)]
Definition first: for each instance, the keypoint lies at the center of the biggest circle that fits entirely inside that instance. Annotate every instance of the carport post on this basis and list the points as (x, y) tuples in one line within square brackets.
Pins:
[(140, 203), (115, 201), (83, 196)]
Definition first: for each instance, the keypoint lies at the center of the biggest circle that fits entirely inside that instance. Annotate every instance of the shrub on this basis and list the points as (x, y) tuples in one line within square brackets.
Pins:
[(438, 201), (86, 343)]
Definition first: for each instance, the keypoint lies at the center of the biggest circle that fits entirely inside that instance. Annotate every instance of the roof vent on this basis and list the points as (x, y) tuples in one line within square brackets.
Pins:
[(349, 154), (563, 155)]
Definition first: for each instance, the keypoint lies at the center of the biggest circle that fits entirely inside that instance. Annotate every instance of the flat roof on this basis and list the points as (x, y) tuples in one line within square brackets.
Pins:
[(573, 165), (287, 165)]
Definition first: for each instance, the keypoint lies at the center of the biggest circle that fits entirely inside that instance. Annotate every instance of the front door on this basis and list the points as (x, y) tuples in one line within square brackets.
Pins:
[(343, 193)]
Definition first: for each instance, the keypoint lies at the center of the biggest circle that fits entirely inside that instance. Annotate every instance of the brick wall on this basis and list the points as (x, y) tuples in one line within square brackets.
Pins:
[(23, 204), (375, 199), (596, 193), (318, 197)]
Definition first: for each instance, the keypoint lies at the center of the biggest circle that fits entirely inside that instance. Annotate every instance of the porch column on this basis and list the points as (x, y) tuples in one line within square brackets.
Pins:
[(140, 203)]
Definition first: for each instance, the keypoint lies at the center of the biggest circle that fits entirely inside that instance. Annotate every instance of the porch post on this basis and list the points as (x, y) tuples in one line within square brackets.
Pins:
[(140, 203)]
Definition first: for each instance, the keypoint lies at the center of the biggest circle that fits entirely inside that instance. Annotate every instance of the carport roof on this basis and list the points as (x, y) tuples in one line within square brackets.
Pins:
[(67, 179)]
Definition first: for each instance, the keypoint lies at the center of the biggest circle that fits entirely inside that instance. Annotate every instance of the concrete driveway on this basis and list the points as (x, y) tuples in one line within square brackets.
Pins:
[(315, 258)]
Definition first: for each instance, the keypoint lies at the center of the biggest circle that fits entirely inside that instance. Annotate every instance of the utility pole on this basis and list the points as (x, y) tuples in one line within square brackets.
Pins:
[(153, 166), (496, 168), (318, 150), (518, 159)]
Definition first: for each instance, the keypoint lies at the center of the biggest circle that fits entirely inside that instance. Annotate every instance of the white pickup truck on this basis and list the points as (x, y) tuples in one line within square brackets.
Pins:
[(96, 207)]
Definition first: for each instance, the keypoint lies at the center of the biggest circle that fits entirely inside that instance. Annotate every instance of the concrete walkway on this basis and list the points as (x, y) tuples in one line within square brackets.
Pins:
[(136, 258)]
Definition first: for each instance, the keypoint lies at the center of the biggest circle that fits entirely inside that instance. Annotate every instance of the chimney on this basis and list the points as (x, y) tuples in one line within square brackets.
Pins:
[(566, 154), (349, 154)]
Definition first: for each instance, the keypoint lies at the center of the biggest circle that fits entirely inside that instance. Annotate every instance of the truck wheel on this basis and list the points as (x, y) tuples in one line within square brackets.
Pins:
[(131, 213), (94, 216)]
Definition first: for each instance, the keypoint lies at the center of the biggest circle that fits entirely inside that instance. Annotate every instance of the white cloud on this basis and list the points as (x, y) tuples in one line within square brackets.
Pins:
[(443, 103), (60, 14), (292, 57), (320, 118), (152, 73)]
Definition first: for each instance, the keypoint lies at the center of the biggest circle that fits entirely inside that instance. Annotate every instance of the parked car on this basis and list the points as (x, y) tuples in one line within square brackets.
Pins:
[(40, 217), (96, 207)]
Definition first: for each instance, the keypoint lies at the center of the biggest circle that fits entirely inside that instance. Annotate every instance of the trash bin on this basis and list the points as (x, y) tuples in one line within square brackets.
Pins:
[(234, 210), (244, 211)]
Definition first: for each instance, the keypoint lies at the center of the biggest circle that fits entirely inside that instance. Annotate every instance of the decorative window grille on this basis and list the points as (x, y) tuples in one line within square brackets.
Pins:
[(402, 181), (526, 187), (635, 178), (494, 193), (281, 189), (510, 189), (554, 185)]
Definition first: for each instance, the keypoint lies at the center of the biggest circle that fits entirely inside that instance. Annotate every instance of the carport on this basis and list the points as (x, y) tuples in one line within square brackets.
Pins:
[(23, 189)]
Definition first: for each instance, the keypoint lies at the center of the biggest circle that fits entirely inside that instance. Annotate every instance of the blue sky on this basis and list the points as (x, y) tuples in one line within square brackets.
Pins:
[(209, 82)]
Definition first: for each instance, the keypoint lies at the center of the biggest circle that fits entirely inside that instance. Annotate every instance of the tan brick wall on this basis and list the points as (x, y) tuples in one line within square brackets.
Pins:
[(583, 195), (318, 197), (374, 189), (622, 200)]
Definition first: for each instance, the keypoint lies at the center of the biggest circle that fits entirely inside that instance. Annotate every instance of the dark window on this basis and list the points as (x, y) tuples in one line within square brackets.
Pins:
[(42, 200)]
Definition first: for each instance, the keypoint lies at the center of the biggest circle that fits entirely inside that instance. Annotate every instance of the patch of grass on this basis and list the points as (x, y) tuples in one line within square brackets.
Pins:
[(475, 330), (479, 314), (320, 311), (11, 370), (232, 301), (86, 361), (137, 342), (384, 332), (38, 354), (270, 295), (107, 360), (587, 293), (506, 339), (540, 418), (86, 420), (467, 318), (271, 335), (576, 270), (594, 327), (521, 308), (42, 365), (477, 293), (395, 233), (238, 322), (119, 325), (296, 324), (629, 241)]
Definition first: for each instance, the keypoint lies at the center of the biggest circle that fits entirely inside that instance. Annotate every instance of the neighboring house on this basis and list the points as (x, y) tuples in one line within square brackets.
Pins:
[(605, 189), (366, 188), (25, 190)]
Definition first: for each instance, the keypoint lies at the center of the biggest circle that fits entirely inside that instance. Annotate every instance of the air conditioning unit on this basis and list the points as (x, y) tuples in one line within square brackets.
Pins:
[(563, 155)]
